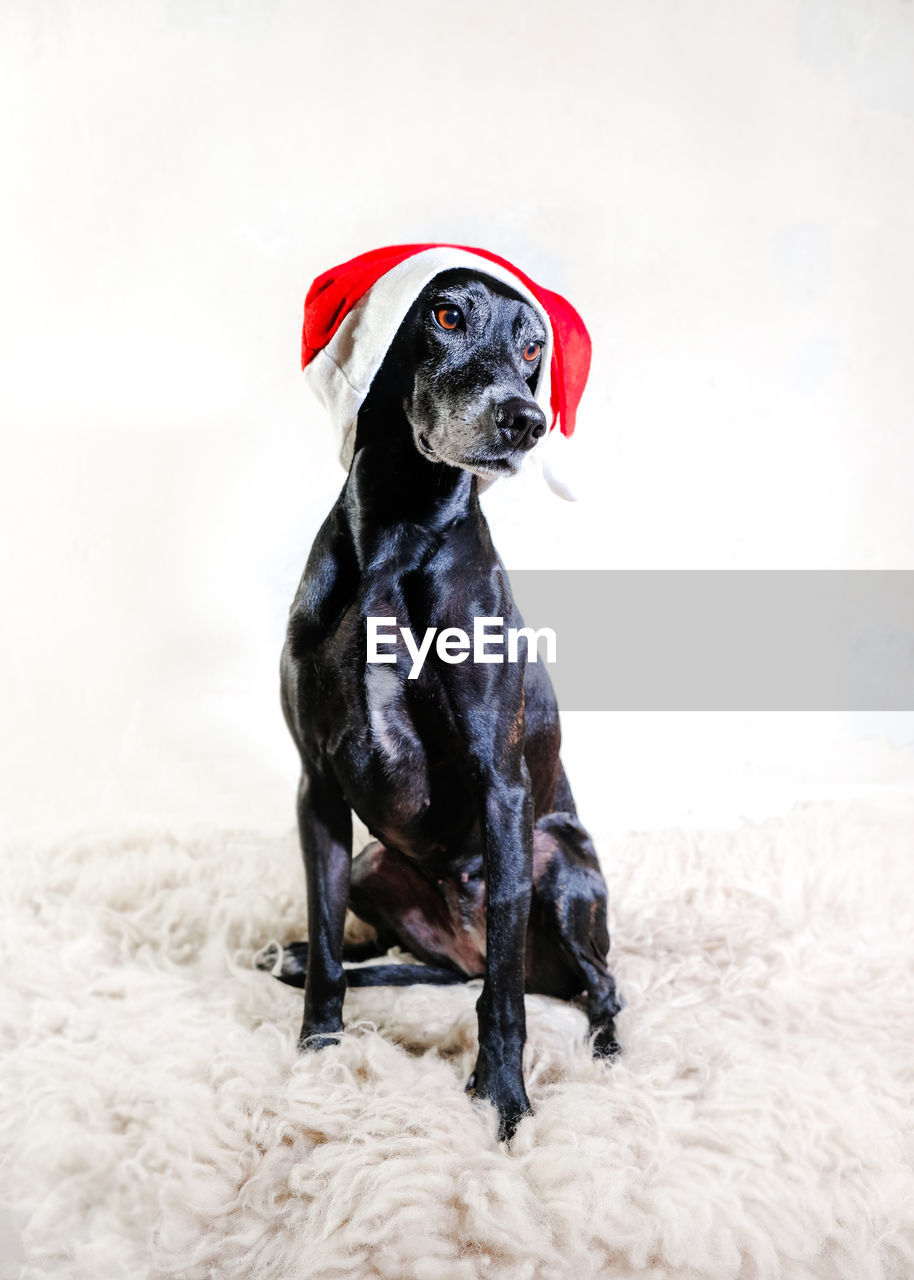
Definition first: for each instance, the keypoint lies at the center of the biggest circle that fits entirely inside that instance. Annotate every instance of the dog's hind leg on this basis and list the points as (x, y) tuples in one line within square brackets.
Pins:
[(570, 916), (439, 922), (294, 958), (293, 968), (442, 924)]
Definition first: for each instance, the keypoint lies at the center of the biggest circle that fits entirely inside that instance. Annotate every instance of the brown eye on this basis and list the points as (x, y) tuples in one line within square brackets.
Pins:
[(448, 317), (532, 350)]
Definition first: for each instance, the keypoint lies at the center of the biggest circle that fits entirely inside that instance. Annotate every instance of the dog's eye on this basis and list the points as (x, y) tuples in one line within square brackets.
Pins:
[(532, 350), (448, 317)]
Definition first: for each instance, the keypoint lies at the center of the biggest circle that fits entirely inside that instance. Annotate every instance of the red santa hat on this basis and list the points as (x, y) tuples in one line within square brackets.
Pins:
[(353, 312)]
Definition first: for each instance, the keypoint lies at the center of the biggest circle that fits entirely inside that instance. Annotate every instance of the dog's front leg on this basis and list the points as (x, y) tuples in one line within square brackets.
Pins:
[(325, 829), (498, 1075)]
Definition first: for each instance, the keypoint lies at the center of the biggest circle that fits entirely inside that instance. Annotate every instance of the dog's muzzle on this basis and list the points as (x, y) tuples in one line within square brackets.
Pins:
[(521, 422)]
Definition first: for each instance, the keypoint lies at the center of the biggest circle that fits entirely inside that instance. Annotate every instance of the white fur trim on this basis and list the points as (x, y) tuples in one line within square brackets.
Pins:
[(553, 460)]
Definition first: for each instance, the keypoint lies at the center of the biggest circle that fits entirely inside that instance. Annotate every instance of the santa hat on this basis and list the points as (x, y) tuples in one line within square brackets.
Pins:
[(353, 312)]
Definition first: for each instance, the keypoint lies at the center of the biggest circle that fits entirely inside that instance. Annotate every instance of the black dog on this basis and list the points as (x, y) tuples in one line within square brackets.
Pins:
[(480, 864)]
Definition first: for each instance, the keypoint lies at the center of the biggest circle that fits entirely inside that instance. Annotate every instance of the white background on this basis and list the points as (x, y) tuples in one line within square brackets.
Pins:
[(724, 189)]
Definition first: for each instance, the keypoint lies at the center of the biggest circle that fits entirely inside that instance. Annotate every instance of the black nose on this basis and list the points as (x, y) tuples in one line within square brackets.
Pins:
[(521, 420)]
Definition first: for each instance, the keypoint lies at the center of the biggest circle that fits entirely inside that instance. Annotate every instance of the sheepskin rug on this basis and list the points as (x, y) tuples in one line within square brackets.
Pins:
[(156, 1120)]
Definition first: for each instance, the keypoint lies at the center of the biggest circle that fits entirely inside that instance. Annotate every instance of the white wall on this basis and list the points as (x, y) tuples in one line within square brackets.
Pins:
[(724, 191)]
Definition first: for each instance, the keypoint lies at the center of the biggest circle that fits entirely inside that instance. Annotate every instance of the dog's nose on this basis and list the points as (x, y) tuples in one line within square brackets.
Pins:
[(522, 420)]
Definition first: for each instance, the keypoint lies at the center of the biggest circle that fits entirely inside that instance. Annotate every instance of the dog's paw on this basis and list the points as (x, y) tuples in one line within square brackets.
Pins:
[(313, 1041), (508, 1098), (287, 964), (605, 1044), (267, 957), (320, 1028)]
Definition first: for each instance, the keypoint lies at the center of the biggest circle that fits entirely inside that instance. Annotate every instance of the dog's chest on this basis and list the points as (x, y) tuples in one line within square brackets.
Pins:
[(389, 727), (400, 763)]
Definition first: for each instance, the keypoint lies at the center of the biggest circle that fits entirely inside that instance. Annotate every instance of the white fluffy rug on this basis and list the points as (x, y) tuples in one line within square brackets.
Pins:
[(156, 1121)]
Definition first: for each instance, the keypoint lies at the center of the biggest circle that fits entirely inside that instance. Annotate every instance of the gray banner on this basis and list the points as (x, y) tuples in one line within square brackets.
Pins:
[(722, 640)]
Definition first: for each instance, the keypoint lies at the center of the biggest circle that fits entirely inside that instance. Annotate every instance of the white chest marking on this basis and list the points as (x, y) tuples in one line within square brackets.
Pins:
[(382, 686)]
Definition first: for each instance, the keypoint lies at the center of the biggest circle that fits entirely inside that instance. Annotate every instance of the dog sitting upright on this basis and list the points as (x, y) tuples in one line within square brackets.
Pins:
[(433, 360)]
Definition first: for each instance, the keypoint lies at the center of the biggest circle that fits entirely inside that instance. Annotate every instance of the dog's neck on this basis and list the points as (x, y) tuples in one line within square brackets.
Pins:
[(397, 502)]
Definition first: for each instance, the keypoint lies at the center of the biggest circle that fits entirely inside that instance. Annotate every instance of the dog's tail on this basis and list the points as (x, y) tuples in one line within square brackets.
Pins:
[(290, 965)]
